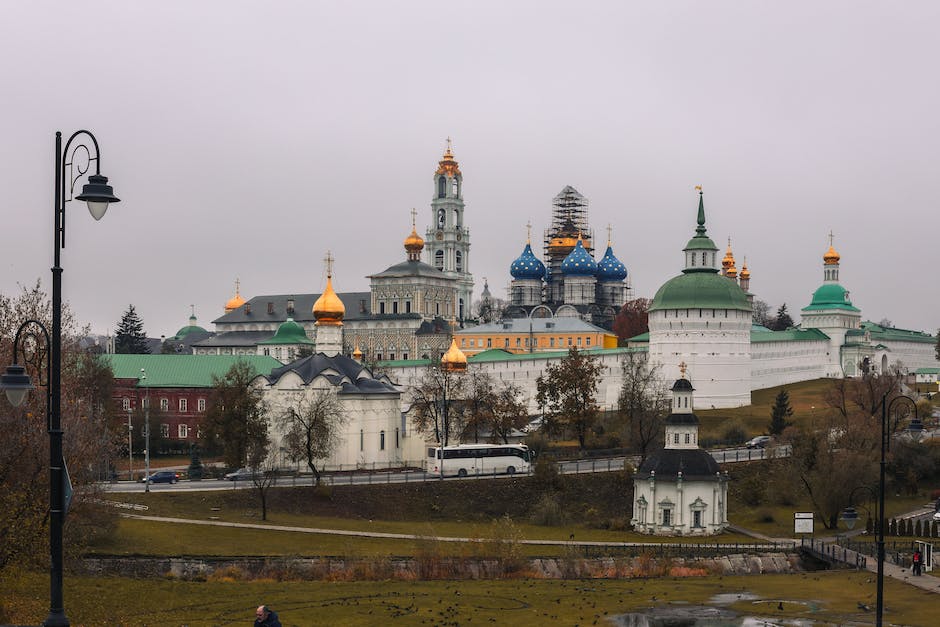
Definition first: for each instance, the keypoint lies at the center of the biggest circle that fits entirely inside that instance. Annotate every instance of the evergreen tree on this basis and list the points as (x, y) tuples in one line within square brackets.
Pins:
[(130, 338), (783, 320), (937, 348), (780, 412)]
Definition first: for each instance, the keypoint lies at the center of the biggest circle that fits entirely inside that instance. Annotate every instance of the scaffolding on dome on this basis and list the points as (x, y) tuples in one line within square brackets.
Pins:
[(569, 220)]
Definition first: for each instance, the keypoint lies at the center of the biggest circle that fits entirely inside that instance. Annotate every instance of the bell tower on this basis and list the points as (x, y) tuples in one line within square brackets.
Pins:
[(448, 239)]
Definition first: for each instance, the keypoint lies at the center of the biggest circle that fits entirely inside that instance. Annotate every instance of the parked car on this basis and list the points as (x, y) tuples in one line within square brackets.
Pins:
[(242, 474), (162, 476), (760, 441)]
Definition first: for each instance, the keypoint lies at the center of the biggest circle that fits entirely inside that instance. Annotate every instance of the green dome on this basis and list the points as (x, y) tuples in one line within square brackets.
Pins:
[(187, 330), (831, 296), (705, 290), (700, 242), (289, 333)]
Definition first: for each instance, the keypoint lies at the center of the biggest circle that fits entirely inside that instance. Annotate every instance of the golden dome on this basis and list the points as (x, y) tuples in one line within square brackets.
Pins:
[(454, 359), (357, 354), (329, 309), (745, 273), (448, 165), (831, 258), (414, 243), (728, 262), (562, 241), (235, 301), (732, 271)]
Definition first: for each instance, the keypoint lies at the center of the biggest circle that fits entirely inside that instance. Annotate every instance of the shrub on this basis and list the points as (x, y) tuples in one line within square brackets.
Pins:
[(546, 475), (547, 512), (734, 433)]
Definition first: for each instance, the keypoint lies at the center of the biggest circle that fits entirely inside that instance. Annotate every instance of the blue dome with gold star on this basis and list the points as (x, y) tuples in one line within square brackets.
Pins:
[(610, 268), (579, 262), (527, 266)]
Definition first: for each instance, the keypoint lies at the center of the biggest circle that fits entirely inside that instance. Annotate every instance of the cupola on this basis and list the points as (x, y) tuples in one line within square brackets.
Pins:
[(414, 244), (527, 265), (579, 262), (454, 359), (448, 165), (329, 309), (235, 301), (609, 268)]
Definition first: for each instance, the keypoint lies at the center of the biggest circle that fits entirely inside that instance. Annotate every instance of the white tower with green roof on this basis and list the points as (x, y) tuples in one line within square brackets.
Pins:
[(832, 312), (704, 319)]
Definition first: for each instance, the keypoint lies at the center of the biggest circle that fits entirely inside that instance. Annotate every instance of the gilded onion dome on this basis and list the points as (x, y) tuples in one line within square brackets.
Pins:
[(527, 265), (745, 273), (329, 309), (579, 262), (609, 268), (357, 354), (414, 243), (727, 263), (448, 165), (831, 258), (235, 301), (454, 358)]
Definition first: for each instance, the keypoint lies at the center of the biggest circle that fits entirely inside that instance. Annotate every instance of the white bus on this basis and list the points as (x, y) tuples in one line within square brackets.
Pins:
[(479, 459)]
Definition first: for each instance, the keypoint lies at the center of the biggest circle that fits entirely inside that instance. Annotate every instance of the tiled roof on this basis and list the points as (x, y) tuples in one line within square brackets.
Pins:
[(357, 306)]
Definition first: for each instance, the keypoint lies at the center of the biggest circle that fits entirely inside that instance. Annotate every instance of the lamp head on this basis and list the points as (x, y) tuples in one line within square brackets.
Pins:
[(98, 194), (15, 382), (849, 517)]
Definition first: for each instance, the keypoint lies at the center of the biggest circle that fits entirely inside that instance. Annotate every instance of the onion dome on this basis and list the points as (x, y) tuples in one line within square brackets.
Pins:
[(329, 309), (579, 262), (732, 271), (454, 358), (745, 273), (192, 327), (728, 261), (448, 165), (289, 332), (414, 243), (357, 354), (831, 258), (609, 268), (236, 301), (527, 265)]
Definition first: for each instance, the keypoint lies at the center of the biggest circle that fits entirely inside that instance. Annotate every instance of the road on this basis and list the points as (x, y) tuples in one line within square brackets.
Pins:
[(580, 466)]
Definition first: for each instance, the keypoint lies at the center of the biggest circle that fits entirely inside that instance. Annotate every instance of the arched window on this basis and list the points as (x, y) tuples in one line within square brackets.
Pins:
[(453, 186), (439, 260), (441, 187), (459, 258), (381, 440)]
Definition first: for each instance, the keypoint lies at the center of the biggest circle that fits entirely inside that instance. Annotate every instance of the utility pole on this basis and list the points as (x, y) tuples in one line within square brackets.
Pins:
[(130, 447), (143, 379)]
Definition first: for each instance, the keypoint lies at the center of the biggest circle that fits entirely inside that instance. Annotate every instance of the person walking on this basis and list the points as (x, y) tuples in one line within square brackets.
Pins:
[(917, 561), (266, 617)]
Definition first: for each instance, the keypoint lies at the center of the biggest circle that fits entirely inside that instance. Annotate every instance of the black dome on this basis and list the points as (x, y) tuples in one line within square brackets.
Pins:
[(694, 463), (682, 419), (682, 385)]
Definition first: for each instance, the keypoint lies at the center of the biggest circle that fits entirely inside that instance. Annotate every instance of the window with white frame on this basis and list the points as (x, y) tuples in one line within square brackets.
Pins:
[(201, 404), (126, 404), (183, 431), (164, 430), (164, 404), (183, 404)]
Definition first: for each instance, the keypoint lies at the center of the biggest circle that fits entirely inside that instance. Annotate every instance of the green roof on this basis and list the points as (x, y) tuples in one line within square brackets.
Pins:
[(190, 371), (831, 296), (790, 335), (927, 371), (289, 333), (704, 290), (642, 337), (883, 334)]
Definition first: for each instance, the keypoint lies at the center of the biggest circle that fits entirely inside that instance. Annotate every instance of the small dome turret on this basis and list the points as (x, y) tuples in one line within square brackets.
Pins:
[(454, 358), (831, 258), (448, 165), (235, 301)]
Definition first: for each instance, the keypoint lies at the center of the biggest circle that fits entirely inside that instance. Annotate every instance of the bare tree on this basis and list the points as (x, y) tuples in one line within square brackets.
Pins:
[(644, 402), (313, 428), (261, 465), (437, 405)]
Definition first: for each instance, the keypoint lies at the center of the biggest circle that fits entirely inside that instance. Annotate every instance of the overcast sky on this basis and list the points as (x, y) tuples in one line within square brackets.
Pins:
[(245, 139)]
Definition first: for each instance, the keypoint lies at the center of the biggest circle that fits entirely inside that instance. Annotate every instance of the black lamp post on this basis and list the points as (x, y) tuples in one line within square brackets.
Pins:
[(916, 429), (98, 194)]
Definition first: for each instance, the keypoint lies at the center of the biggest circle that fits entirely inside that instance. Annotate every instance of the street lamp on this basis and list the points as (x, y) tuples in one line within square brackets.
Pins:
[(915, 429), (98, 195), (142, 383)]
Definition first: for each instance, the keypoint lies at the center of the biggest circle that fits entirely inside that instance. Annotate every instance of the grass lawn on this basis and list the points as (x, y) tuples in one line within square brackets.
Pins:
[(828, 597)]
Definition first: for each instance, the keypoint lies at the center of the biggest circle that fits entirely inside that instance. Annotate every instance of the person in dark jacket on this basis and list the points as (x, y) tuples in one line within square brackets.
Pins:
[(266, 617)]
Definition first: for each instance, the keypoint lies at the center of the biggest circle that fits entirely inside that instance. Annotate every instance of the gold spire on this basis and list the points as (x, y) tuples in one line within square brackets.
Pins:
[(329, 309), (831, 258), (454, 358), (682, 367), (448, 165), (727, 264), (745, 273), (235, 301)]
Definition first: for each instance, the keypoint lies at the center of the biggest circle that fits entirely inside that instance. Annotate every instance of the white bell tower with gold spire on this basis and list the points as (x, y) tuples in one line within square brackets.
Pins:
[(329, 312), (448, 239)]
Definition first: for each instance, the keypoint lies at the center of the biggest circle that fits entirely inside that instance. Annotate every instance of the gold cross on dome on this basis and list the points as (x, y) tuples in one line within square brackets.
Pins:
[(414, 216), (682, 367), (830, 237), (609, 231), (328, 260)]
